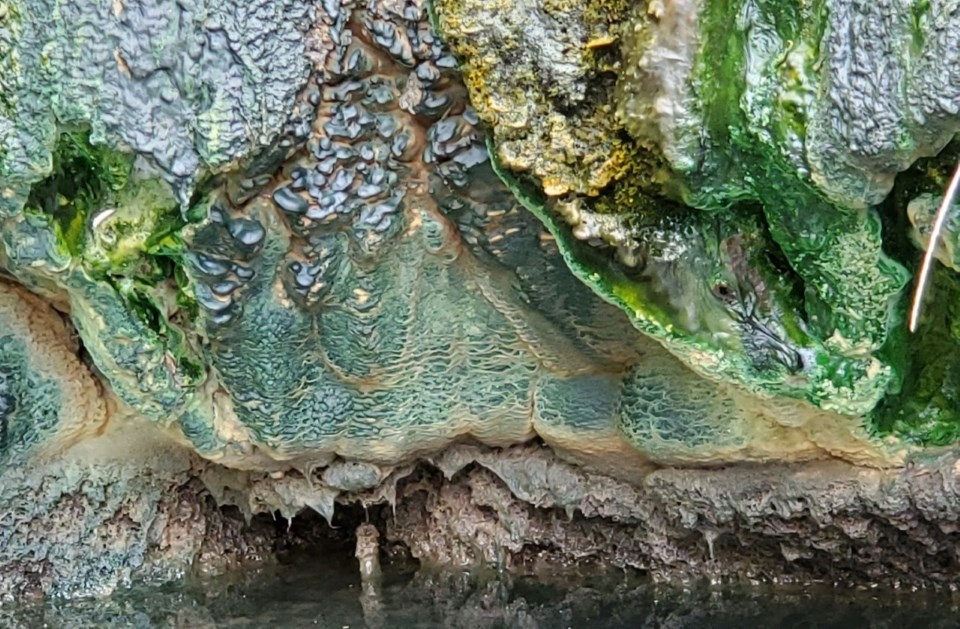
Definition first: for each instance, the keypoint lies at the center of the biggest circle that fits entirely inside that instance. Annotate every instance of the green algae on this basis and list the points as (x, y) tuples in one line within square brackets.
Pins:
[(107, 236), (852, 286), (83, 176), (752, 85), (768, 352), (926, 410), (713, 107), (113, 223)]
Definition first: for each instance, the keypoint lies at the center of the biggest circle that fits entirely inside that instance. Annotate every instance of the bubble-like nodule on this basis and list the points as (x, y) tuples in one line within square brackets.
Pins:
[(246, 231), (290, 201)]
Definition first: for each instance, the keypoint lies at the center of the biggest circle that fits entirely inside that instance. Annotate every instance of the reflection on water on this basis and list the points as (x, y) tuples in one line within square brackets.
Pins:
[(325, 591)]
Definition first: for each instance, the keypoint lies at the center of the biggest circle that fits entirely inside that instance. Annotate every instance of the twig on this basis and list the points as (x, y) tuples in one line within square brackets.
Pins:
[(938, 222)]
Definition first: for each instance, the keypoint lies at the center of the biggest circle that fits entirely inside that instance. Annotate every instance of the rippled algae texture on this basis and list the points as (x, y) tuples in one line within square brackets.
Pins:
[(271, 232), (646, 126), (348, 278)]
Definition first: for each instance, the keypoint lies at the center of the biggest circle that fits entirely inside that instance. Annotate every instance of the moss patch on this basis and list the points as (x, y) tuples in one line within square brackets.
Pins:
[(84, 176), (926, 410)]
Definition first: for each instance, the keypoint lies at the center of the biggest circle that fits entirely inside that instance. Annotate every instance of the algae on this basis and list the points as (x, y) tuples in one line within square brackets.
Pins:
[(321, 279), (714, 106), (926, 410)]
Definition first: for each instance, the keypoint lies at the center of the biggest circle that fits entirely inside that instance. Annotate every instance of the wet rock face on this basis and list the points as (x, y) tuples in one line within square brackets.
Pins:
[(336, 293), (821, 521), (350, 269), (88, 523), (807, 113), (367, 287), (541, 75), (890, 99), (319, 276), (646, 122), (49, 400), (91, 524), (191, 88)]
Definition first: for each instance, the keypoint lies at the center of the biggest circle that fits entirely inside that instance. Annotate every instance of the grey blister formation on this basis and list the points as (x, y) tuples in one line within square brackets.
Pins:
[(892, 94), (192, 88)]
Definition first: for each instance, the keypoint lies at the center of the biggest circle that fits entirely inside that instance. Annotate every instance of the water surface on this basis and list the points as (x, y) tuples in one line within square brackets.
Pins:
[(320, 590)]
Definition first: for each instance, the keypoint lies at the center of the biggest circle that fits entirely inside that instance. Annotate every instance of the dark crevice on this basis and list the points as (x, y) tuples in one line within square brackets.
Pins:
[(924, 408), (7, 409), (309, 532)]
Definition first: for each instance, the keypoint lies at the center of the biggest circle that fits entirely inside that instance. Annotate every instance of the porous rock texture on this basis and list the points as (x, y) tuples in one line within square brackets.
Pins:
[(826, 521), (91, 525), (91, 521)]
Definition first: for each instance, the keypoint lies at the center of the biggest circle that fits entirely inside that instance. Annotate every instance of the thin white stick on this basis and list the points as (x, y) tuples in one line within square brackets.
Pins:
[(938, 222)]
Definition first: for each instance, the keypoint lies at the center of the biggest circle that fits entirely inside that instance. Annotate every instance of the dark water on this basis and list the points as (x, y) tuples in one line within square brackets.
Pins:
[(326, 592)]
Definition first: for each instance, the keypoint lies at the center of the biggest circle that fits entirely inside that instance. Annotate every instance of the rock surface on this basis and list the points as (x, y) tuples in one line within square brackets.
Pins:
[(256, 261), (94, 524)]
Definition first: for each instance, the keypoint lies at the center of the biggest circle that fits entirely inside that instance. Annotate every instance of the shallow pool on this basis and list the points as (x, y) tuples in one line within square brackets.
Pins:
[(326, 591)]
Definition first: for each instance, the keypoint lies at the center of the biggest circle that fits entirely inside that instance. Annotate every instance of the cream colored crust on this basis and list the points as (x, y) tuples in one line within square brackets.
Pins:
[(52, 353)]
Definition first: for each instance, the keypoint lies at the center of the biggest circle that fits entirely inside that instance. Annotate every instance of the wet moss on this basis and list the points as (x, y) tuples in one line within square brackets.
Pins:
[(926, 409), (83, 177)]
